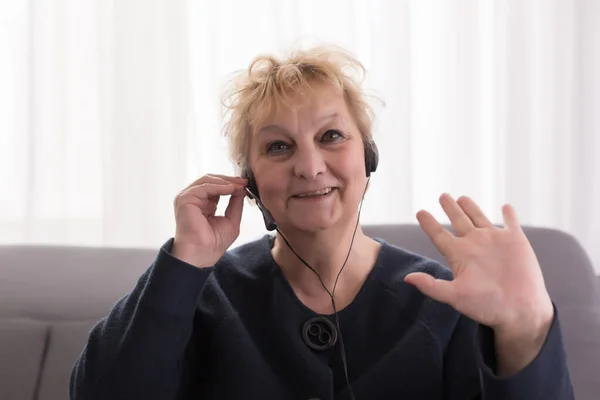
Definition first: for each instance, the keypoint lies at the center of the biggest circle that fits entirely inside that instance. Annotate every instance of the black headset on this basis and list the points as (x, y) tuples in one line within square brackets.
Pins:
[(371, 161)]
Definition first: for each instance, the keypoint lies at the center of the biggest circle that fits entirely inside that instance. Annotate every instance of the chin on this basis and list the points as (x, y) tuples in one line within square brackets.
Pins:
[(314, 223)]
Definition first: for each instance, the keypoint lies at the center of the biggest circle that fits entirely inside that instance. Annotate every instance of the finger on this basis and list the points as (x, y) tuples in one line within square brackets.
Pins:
[(441, 238), (207, 179), (213, 191), (510, 218), (459, 220), (473, 211), (218, 179), (232, 179), (207, 195), (234, 209), (438, 289)]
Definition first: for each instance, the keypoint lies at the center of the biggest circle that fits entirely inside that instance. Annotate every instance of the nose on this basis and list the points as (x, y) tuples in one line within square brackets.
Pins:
[(309, 163)]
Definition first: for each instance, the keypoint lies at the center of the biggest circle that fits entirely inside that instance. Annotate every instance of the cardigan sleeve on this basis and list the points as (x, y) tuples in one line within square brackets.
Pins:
[(545, 378), (470, 365), (135, 351)]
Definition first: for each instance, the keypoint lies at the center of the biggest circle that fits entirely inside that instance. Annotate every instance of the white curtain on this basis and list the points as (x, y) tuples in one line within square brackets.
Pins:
[(108, 109)]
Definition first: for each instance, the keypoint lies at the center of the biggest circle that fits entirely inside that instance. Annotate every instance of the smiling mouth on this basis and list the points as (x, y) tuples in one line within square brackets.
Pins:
[(317, 193)]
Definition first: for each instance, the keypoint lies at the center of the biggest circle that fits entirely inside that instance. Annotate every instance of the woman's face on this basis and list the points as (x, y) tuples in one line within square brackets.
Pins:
[(309, 164)]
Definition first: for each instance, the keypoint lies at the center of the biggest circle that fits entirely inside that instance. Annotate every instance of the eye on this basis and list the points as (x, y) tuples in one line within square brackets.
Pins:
[(276, 147), (333, 135)]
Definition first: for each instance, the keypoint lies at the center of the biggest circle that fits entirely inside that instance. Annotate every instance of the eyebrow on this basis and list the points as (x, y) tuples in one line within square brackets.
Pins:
[(276, 127)]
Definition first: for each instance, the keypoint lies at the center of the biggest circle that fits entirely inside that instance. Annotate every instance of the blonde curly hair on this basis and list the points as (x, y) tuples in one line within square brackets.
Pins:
[(270, 82)]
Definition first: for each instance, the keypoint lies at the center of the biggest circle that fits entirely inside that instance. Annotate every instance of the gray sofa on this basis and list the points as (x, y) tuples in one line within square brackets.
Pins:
[(51, 296)]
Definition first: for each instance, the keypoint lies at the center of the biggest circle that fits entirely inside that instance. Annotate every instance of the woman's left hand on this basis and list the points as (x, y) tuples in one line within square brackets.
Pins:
[(497, 281)]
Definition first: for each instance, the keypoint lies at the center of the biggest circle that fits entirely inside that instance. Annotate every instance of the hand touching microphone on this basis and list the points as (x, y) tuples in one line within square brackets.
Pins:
[(201, 237)]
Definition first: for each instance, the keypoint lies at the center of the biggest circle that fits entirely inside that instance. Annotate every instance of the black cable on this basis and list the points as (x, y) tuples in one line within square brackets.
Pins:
[(332, 293)]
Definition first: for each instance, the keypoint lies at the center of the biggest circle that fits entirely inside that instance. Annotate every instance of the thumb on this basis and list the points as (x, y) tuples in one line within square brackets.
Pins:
[(234, 209), (438, 289)]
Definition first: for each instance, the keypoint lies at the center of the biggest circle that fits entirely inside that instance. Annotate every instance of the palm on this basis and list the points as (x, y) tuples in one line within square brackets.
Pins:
[(497, 278)]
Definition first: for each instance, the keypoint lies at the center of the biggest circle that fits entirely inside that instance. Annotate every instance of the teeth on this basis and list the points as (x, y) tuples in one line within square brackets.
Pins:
[(321, 192)]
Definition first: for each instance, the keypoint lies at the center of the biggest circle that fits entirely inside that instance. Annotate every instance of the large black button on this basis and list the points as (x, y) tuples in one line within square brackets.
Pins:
[(319, 333)]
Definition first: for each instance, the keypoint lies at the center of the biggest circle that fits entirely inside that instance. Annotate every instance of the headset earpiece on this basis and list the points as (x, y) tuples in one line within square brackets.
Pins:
[(252, 190), (371, 156), (246, 174)]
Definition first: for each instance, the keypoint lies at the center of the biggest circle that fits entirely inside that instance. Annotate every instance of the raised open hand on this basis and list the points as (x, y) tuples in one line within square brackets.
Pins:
[(497, 278)]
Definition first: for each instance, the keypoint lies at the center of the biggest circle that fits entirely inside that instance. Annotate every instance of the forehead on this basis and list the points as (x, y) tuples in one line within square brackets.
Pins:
[(320, 103)]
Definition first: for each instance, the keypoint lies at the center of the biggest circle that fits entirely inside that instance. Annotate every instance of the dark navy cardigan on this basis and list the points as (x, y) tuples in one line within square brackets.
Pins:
[(234, 331)]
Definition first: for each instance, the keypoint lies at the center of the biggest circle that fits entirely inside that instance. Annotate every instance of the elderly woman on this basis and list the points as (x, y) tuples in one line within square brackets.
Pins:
[(319, 310)]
